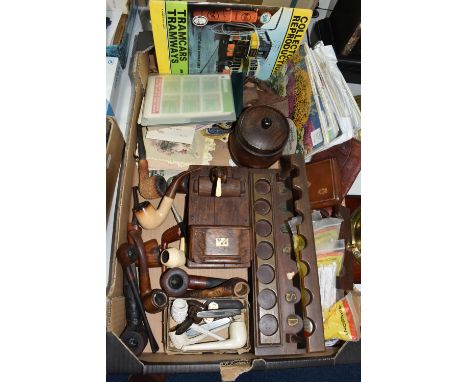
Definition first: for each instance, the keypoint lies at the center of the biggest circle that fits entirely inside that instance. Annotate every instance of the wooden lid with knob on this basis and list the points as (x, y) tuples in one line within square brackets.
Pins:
[(259, 135)]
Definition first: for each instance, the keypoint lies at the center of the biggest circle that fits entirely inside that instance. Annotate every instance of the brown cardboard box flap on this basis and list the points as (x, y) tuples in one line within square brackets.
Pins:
[(114, 152), (230, 370)]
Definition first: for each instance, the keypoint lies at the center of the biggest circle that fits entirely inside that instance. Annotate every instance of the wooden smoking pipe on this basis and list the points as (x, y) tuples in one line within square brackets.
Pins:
[(170, 235), (134, 335), (234, 287), (194, 307), (152, 187), (153, 254), (152, 251), (148, 216), (176, 281), (237, 339), (162, 190), (154, 300), (172, 257), (127, 255), (147, 185)]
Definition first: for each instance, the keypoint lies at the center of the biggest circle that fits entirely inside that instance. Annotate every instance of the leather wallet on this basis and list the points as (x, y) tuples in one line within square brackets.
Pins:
[(348, 156), (324, 183)]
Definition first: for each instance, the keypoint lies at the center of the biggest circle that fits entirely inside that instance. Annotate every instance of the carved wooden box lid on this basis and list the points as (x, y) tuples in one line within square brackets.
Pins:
[(262, 130)]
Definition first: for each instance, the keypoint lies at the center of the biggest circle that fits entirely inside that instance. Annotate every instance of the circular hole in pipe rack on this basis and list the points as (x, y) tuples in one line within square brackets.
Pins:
[(268, 324), (262, 186), (263, 228), (265, 274), (266, 299), (262, 206), (264, 250)]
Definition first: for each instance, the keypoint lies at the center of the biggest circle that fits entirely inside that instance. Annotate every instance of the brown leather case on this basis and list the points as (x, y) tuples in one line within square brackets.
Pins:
[(348, 156), (324, 183)]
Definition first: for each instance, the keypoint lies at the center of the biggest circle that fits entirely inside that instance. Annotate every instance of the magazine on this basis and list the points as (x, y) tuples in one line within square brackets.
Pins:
[(295, 82), (320, 103), (203, 38)]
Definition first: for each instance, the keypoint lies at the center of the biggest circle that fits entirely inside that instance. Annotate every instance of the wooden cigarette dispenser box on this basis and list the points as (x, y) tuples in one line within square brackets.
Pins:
[(219, 226)]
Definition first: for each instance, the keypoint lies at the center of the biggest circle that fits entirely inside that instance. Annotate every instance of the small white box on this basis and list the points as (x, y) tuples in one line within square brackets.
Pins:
[(113, 74)]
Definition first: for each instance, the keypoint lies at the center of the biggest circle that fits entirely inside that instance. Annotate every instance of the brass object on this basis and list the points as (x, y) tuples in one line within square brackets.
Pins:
[(355, 246)]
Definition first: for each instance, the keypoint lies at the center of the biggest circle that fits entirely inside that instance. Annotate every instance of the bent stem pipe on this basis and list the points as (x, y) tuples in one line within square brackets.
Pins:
[(237, 339), (176, 281), (154, 300), (152, 251), (152, 254), (151, 247), (180, 340), (134, 335), (162, 188), (170, 235), (149, 186), (127, 255), (148, 216), (174, 257)]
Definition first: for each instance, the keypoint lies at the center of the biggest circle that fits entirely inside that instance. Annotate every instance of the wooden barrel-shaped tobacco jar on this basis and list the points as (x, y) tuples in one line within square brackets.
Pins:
[(259, 137)]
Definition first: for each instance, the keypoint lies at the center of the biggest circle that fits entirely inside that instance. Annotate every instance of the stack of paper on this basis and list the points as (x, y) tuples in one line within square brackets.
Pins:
[(175, 110), (320, 103), (340, 117)]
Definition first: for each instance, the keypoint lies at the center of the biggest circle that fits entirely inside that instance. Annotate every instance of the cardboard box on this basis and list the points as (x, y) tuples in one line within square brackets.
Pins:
[(113, 74), (115, 145), (120, 46), (119, 358)]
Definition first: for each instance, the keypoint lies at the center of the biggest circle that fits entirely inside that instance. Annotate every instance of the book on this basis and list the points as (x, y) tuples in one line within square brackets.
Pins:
[(205, 38), (178, 99)]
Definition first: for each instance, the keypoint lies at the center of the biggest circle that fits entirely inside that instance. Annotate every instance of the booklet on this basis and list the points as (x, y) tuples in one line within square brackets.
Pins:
[(200, 37)]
